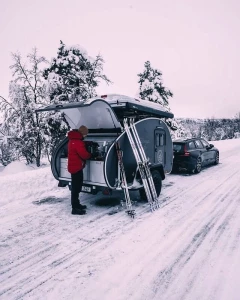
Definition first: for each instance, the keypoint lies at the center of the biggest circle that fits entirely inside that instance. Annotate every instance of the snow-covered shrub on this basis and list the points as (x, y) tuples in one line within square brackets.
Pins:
[(237, 135), (7, 153)]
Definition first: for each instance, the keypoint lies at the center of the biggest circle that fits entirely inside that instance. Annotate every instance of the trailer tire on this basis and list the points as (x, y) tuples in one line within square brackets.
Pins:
[(157, 179)]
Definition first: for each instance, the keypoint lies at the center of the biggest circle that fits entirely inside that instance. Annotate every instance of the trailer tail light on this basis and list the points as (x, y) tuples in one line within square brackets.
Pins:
[(107, 192)]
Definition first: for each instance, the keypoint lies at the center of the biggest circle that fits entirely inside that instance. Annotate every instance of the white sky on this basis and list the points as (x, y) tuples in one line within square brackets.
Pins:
[(195, 43)]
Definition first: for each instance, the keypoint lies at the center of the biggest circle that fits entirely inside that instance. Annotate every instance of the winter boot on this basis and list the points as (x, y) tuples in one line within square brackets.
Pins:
[(78, 211), (80, 206)]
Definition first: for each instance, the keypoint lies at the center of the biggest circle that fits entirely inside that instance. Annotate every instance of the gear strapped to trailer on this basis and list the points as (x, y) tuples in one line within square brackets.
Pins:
[(143, 163), (130, 211)]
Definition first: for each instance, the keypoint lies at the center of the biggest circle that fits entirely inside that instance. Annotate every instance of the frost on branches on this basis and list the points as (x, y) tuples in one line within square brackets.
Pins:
[(25, 129), (73, 75), (151, 88), (176, 129)]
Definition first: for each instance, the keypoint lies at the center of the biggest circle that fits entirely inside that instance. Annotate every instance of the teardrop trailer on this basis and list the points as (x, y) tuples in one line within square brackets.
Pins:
[(131, 146)]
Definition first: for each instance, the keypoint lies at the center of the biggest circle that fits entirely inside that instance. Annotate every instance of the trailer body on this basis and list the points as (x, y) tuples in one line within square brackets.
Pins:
[(104, 119)]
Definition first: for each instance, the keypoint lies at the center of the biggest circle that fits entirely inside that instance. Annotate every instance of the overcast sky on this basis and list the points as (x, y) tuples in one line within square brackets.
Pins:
[(195, 43)]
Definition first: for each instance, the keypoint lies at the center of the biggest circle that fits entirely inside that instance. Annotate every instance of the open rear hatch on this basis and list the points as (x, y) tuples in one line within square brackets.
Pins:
[(96, 114)]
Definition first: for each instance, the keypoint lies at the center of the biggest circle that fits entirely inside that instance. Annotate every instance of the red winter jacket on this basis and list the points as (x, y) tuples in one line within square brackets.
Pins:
[(77, 153)]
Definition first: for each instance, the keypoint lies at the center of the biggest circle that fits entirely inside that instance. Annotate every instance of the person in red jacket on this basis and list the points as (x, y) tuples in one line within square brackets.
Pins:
[(77, 156)]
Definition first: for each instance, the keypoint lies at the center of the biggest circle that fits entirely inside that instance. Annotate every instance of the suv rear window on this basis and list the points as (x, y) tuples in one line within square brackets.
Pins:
[(199, 144), (178, 147), (191, 145)]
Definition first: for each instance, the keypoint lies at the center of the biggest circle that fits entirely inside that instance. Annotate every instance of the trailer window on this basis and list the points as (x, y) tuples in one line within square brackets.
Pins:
[(160, 139)]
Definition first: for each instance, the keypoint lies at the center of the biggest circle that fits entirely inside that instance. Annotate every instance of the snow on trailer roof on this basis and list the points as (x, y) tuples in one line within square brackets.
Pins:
[(125, 106), (122, 105)]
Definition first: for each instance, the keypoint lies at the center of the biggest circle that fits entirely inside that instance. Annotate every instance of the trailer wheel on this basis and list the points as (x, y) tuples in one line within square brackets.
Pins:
[(157, 179)]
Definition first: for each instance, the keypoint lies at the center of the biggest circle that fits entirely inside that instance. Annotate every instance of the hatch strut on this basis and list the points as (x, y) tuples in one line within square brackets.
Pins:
[(142, 162)]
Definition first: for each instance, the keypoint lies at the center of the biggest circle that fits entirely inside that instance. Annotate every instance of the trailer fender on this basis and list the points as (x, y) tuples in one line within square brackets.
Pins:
[(62, 183), (159, 168)]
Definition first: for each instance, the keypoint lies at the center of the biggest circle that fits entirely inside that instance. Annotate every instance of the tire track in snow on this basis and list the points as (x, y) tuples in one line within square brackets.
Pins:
[(217, 232), (29, 262), (197, 200), (214, 214), (207, 226), (29, 255), (216, 242), (87, 220), (153, 246), (167, 276)]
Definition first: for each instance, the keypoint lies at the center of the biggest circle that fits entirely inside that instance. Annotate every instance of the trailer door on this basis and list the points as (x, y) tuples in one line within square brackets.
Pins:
[(160, 146)]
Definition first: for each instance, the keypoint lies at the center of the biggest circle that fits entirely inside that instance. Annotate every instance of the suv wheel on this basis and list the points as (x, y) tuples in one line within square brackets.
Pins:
[(157, 179), (216, 158), (198, 166)]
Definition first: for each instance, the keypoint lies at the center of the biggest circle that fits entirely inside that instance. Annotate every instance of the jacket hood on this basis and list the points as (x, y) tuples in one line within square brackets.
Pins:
[(75, 135)]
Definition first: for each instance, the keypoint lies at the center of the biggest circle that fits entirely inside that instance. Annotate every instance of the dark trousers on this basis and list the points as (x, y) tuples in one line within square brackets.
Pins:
[(77, 182)]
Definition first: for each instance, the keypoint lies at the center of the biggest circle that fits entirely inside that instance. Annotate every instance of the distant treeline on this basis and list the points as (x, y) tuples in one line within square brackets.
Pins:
[(211, 129)]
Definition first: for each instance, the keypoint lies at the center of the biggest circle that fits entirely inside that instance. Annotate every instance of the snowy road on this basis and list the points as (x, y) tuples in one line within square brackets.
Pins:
[(188, 249)]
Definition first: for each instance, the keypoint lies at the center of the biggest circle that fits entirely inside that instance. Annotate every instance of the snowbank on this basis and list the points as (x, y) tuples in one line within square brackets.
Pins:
[(28, 185), (15, 167), (226, 145)]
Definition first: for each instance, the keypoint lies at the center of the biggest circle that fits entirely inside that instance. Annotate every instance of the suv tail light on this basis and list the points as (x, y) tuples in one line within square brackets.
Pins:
[(186, 153)]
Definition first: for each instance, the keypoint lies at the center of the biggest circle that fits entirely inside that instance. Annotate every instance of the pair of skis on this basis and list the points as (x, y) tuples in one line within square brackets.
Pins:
[(143, 166), (130, 211)]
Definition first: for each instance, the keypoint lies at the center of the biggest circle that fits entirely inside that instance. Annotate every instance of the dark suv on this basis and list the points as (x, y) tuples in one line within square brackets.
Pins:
[(193, 154)]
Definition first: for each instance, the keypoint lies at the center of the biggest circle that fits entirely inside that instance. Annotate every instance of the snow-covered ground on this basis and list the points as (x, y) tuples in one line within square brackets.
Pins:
[(187, 249)]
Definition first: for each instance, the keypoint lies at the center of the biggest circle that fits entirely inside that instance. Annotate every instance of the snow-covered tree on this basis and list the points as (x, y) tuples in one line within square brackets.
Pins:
[(27, 92), (73, 75), (151, 88), (176, 129)]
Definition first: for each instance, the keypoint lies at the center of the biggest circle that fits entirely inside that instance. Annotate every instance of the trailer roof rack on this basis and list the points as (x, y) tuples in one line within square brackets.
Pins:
[(125, 106), (113, 108)]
